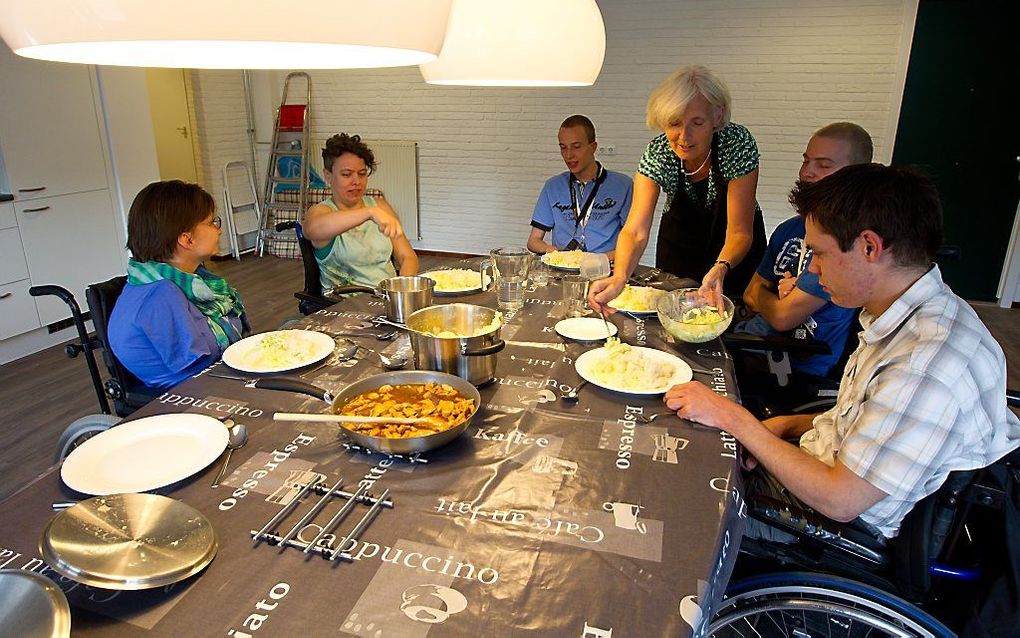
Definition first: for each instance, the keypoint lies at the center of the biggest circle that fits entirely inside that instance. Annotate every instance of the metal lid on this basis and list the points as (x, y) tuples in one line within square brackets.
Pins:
[(33, 605), (128, 541)]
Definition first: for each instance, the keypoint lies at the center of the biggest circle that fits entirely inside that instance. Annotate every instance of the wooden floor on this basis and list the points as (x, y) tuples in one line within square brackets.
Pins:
[(41, 394)]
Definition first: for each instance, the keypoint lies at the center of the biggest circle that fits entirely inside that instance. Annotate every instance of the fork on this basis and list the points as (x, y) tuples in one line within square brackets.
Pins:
[(648, 418)]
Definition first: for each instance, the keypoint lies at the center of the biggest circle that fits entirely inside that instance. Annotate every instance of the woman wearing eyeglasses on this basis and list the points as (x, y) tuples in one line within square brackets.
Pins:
[(174, 317), (356, 238)]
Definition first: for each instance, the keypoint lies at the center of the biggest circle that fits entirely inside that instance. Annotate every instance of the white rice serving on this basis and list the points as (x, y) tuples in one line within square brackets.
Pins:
[(620, 366)]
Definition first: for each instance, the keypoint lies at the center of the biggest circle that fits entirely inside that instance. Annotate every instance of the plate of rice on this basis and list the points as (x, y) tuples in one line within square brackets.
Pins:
[(278, 351), (456, 281), (630, 369), (568, 260), (637, 300)]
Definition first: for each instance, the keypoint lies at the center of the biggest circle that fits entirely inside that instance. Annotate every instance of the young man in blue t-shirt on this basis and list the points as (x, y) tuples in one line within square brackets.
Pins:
[(784, 294), (586, 206)]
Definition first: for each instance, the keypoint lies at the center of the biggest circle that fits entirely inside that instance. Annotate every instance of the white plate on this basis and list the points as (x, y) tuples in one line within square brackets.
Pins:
[(546, 259), (584, 328), (634, 311), (146, 454), (309, 347), (455, 291), (682, 372)]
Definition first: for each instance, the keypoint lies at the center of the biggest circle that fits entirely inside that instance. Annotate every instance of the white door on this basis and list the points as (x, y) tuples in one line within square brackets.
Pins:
[(70, 241), (47, 115)]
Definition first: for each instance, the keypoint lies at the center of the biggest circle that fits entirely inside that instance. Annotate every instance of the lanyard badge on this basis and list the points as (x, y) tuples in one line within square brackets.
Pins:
[(581, 212)]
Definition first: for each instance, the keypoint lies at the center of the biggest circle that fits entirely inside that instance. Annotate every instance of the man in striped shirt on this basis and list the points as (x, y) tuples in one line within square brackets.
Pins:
[(923, 394)]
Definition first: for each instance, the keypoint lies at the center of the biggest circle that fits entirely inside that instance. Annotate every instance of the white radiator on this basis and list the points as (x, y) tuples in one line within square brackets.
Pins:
[(396, 175)]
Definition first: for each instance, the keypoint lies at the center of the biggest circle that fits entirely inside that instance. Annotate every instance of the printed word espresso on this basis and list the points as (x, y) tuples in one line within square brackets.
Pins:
[(275, 458)]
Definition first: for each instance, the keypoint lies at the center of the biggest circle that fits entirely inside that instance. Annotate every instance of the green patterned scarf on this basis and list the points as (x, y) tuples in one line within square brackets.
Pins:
[(211, 294)]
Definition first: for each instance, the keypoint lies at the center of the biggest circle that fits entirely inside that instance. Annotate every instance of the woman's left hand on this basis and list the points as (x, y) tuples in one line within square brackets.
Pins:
[(712, 285)]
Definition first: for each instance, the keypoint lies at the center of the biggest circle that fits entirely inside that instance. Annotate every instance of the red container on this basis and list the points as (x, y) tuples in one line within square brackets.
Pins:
[(292, 117)]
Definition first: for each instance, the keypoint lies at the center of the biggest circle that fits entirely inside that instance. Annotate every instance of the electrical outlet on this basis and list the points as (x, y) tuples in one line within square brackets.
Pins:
[(608, 149)]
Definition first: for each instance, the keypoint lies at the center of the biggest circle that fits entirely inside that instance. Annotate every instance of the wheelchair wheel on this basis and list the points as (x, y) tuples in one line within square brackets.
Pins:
[(804, 605), (82, 430)]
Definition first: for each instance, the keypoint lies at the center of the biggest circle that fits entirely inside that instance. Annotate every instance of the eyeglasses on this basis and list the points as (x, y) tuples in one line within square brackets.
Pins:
[(216, 222)]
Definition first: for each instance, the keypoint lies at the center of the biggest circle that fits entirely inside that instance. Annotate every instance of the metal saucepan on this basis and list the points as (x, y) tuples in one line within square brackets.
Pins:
[(471, 358), (403, 295), (379, 443)]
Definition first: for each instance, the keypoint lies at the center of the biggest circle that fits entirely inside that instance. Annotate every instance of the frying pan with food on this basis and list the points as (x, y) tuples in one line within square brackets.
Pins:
[(409, 445)]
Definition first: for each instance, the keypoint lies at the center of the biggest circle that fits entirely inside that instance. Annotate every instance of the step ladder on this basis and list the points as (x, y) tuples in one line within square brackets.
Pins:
[(242, 214), (286, 194)]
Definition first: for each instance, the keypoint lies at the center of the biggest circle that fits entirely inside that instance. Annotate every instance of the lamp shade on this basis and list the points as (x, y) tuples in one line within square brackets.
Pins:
[(227, 34), (521, 43)]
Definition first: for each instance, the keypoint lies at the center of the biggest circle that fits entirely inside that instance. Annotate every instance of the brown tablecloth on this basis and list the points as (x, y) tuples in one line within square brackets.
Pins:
[(544, 518)]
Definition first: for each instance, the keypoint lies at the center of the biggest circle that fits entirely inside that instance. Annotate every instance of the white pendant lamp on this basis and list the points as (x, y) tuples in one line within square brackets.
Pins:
[(227, 34), (521, 43)]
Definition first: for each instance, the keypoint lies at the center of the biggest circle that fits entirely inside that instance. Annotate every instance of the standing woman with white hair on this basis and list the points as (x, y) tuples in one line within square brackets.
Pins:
[(712, 230)]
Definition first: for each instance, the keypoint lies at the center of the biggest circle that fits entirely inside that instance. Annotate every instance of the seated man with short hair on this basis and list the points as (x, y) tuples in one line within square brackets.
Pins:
[(783, 292), (584, 207), (924, 393)]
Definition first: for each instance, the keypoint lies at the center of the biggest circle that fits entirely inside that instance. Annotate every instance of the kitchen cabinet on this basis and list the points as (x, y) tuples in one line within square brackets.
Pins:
[(7, 216), (18, 312), (71, 241), (62, 227), (50, 131), (12, 266)]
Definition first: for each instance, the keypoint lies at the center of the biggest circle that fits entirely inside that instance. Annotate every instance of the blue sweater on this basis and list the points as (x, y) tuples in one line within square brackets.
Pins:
[(160, 336)]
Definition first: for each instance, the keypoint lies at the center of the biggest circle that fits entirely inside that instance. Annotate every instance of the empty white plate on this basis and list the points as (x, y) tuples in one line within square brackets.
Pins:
[(146, 454), (584, 329)]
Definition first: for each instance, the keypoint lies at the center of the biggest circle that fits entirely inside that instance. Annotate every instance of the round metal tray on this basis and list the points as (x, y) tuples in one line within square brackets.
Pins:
[(33, 606), (128, 541)]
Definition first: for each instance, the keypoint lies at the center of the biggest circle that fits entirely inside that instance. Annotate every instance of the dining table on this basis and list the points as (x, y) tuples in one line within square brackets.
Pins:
[(547, 516)]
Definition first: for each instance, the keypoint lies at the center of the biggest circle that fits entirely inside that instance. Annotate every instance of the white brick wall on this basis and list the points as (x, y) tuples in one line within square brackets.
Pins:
[(791, 65)]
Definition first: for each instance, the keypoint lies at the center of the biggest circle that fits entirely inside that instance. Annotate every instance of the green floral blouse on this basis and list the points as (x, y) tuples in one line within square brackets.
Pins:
[(738, 156)]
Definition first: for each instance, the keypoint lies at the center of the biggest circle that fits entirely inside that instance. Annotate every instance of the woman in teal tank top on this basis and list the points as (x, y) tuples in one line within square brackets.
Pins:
[(355, 236)]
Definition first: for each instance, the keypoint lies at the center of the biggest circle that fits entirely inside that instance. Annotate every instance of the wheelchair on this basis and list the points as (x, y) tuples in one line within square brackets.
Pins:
[(124, 389), (928, 581), (312, 297)]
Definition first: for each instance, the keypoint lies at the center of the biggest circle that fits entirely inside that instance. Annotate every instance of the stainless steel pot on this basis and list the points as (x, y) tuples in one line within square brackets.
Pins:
[(403, 295), (382, 444), (470, 358)]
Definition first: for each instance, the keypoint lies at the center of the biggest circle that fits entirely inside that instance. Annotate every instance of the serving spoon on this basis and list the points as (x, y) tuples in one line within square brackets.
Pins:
[(572, 395), (343, 418), (390, 363)]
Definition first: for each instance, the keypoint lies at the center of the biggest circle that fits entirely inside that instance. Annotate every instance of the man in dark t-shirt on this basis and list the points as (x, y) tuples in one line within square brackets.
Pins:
[(785, 295)]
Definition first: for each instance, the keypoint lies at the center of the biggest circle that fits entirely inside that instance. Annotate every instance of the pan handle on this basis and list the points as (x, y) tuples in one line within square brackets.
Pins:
[(289, 384), (493, 349)]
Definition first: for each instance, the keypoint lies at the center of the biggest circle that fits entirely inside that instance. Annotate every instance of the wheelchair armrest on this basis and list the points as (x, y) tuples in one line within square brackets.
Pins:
[(813, 528), (313, 302), (346, 290), (287, 225), (774, 343)]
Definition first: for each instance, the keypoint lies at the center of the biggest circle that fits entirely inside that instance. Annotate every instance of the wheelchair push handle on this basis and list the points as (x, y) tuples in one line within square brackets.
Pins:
[(85, 343), (64, 294)]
